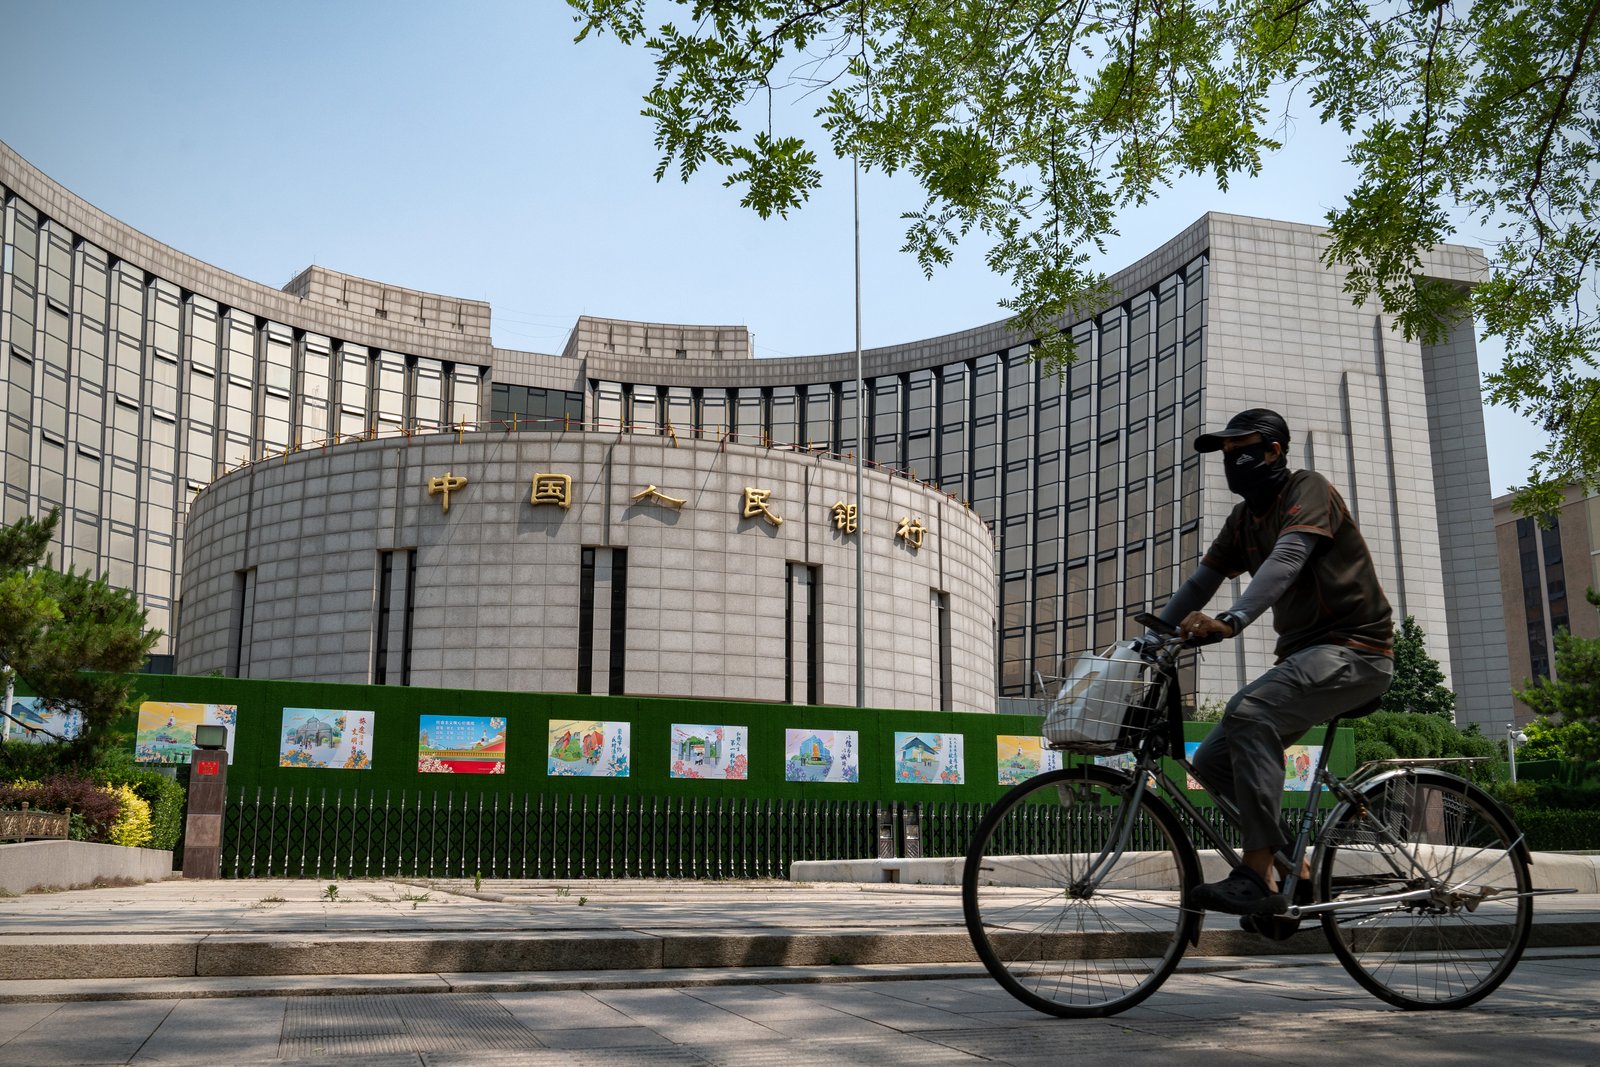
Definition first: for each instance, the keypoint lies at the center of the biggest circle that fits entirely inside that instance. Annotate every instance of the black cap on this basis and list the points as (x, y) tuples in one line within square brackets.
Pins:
[(1264, 421)]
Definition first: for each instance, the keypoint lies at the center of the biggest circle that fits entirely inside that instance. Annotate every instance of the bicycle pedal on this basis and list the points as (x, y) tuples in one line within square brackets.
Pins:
[(1271, 927)]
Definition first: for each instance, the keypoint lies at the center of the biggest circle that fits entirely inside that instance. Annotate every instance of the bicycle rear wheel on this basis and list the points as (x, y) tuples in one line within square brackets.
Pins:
[(1060, 935), (1425, 830)]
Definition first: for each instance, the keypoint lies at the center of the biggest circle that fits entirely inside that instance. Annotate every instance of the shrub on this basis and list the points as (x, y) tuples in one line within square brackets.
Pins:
[(164, 796), (131, 827), (1555, 829), (99, 809), (1407, 735)]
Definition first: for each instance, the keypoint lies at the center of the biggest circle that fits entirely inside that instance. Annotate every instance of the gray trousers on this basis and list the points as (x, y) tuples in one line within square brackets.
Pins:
[(1242, 757)]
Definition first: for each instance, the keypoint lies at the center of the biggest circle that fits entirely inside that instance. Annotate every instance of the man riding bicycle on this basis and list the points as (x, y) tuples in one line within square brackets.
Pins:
[(1308, 562)]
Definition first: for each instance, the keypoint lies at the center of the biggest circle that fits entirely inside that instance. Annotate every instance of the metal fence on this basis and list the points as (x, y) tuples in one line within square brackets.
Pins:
[(322, 833)]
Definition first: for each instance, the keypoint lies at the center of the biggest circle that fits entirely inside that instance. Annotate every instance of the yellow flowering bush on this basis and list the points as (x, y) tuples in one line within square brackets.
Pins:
[(131, 827)]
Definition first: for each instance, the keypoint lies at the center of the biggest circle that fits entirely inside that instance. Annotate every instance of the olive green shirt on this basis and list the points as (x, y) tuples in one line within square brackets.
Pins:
[(1336, 599)]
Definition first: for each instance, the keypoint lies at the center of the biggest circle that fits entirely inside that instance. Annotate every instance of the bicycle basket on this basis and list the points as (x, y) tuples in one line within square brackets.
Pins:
[(1105, 705)]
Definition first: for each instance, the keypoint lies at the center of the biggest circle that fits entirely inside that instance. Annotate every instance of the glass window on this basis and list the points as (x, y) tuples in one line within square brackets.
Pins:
[(274, 421), (89, 409), (819, 416), (713, 418), (465, 390), (427, 402), (91, 353), (847, 416), (644, 415), (355, 377), (750, 421), (1078, 531), (165, 326), (241, 344), (608, 406), (202, 335), (885, 415), (680, 409), (55, 339), (785, 416), (94, 284), (316, 366), (390, 405)]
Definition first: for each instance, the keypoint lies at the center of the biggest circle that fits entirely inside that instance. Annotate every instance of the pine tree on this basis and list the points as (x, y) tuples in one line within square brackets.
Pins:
[(1573, 697), (1418, 685), (73, 640)]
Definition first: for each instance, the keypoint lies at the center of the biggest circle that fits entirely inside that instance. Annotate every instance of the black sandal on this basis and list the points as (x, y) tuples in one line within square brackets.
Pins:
[(1279, 927), (1243, 892)]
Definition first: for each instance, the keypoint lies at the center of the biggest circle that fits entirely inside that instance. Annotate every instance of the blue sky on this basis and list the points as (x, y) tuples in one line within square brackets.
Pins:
[(473, 149)]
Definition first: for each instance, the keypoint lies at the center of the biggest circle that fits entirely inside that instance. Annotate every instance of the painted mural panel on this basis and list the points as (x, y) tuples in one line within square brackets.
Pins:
[(929, 759), (702, 751), (1020, 758), (327, 738), (587, 749), (33, 723), (821, 756), (461, 744), (165, 733)]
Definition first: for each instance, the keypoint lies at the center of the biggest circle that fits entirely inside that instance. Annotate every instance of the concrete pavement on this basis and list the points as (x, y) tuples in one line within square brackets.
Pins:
[(721, 974), (209, 938), (1280, 1011)]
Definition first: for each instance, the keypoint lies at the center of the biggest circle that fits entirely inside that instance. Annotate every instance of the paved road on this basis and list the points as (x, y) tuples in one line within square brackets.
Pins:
[(603, 1008), (1231, 1013)]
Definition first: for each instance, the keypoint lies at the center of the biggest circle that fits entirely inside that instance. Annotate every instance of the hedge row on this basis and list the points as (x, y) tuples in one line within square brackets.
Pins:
[(1559, 830)]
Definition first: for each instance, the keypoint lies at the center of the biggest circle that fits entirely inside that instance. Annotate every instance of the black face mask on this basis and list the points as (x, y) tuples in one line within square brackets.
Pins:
[(1251, 475)]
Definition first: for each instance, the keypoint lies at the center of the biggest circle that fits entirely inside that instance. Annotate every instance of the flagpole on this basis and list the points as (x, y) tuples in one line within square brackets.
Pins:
[(861, 444)]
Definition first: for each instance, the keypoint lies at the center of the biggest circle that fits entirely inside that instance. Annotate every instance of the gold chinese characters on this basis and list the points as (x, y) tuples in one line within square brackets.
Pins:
[(755, 503), (844, 517), (552, 489), (444, 485), (650, 492), (910, 531)]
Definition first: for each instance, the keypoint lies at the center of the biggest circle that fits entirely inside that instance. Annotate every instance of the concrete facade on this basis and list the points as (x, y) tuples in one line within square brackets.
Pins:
[(1545, 573), (137, 376), (280, 572)]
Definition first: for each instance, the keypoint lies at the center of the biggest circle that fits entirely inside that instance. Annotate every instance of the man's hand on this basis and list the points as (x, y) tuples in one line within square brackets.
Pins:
[(1198, 626)]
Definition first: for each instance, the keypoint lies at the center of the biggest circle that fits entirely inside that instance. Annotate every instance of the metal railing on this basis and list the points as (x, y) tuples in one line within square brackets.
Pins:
[(328, 833)]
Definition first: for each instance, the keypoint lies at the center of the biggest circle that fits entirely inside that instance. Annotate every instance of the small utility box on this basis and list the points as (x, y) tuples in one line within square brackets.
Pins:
[(208, 791)]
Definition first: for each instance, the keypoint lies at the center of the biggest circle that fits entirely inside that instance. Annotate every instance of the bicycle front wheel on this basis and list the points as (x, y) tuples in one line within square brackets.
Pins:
[(1074, 898), (1449, 851)]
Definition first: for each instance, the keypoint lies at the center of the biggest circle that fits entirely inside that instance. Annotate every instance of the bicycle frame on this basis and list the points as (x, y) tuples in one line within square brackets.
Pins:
[(1148, 769)]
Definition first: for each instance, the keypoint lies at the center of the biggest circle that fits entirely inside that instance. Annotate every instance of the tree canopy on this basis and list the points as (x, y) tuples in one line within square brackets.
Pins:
[(1032, 124), (73, 640), (1572, 697), (1418, 684)]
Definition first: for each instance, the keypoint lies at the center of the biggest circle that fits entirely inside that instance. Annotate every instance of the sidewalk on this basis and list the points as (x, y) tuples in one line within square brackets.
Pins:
[(183, 939)]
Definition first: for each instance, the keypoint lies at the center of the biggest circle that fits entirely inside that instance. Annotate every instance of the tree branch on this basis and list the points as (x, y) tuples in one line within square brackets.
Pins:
[(1557, 113)]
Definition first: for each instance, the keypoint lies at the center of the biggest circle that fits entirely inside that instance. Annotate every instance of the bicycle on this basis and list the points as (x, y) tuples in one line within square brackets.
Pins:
[(1075, 882)]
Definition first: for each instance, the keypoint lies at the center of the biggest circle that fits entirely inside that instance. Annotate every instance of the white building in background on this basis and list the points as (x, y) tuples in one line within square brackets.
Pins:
[(136, 376)]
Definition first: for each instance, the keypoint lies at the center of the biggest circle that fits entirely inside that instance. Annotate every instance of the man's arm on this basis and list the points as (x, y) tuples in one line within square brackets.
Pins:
[(1277, 572), (1193, 594)]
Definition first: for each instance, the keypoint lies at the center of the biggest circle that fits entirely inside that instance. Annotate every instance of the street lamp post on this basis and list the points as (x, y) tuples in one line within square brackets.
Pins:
[(1514, 737)]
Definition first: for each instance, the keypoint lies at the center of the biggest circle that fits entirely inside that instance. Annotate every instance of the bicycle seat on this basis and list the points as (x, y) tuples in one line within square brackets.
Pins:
[(1360, 712)]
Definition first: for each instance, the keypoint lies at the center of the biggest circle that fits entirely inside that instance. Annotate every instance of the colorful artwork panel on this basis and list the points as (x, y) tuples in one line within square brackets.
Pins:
[(1299, 765), (700, 751), (587, 749), (33, 723), (929, 759), (821, 756), (326, 738), (461, 744), (165, 733), (1020, 757)]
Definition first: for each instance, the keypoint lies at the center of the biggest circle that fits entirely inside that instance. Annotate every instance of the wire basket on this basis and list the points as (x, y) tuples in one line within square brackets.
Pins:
[(1106, 703)]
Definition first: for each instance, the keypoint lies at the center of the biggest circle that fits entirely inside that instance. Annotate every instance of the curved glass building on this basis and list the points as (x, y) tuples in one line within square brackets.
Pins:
[(135, 376)]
